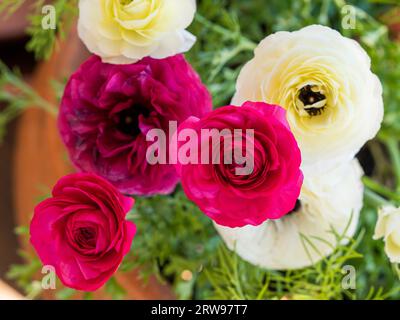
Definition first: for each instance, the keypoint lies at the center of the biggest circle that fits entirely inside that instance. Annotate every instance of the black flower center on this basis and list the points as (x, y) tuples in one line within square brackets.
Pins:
[(311, 99), (127, 121)]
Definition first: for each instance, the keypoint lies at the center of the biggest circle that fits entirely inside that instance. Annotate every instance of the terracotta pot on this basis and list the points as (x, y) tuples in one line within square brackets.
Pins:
[(40, 157)]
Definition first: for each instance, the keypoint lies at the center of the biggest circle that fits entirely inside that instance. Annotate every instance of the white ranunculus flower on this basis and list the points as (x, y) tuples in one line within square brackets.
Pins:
[(388, 228), (125, 31), (333, 100), (329, 202)]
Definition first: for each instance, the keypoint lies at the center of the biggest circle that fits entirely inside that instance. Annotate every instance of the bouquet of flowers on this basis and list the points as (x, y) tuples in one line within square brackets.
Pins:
[(243, 179)]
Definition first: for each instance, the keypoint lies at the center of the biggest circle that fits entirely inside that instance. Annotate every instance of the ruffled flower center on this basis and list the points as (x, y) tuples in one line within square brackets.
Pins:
[(85, 238), (263, 163)]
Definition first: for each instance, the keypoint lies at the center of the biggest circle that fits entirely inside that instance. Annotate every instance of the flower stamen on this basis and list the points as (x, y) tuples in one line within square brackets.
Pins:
[(311, 101)]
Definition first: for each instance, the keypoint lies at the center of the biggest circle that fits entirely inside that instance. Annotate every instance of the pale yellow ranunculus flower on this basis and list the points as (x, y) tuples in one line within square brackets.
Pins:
[(125, 31), (328, 202), (333, 100), (388, 228)]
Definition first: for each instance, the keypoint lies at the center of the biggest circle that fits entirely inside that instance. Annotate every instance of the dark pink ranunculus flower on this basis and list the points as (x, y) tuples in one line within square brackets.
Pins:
[(268, 191), (107, 110), (81, 230)]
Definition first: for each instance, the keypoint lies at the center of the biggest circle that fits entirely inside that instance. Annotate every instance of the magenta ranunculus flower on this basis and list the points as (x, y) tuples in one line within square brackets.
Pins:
[(81, 230), (107, 110), (233, 198)]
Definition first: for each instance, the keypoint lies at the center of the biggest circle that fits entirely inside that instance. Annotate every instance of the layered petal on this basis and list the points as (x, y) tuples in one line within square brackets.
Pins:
[(81, 230)]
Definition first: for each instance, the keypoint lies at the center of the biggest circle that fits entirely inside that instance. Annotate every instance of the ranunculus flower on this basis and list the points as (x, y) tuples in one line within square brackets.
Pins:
[(388, 228), (333, 100), (126, 31), (81, 230), (107, 110), (328, 202), (269, 190)]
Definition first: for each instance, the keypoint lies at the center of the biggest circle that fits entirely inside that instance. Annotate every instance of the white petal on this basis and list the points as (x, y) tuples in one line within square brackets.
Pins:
[(331, 201)]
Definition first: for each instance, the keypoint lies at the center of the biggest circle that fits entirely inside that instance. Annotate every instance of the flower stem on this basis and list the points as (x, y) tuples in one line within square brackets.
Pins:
[(374, 199), (380, 189)]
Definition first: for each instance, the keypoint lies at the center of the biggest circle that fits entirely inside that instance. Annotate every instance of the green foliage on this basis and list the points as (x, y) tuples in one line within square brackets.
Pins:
[(24, 274), (17, 96), (235, 279), (114, 289), (374, 270), (43, 41), (173, 237)]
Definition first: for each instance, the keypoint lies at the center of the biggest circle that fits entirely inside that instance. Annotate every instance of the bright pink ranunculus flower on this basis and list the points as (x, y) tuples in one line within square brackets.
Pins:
[(107, 110), (269, 191), (81, 230)]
